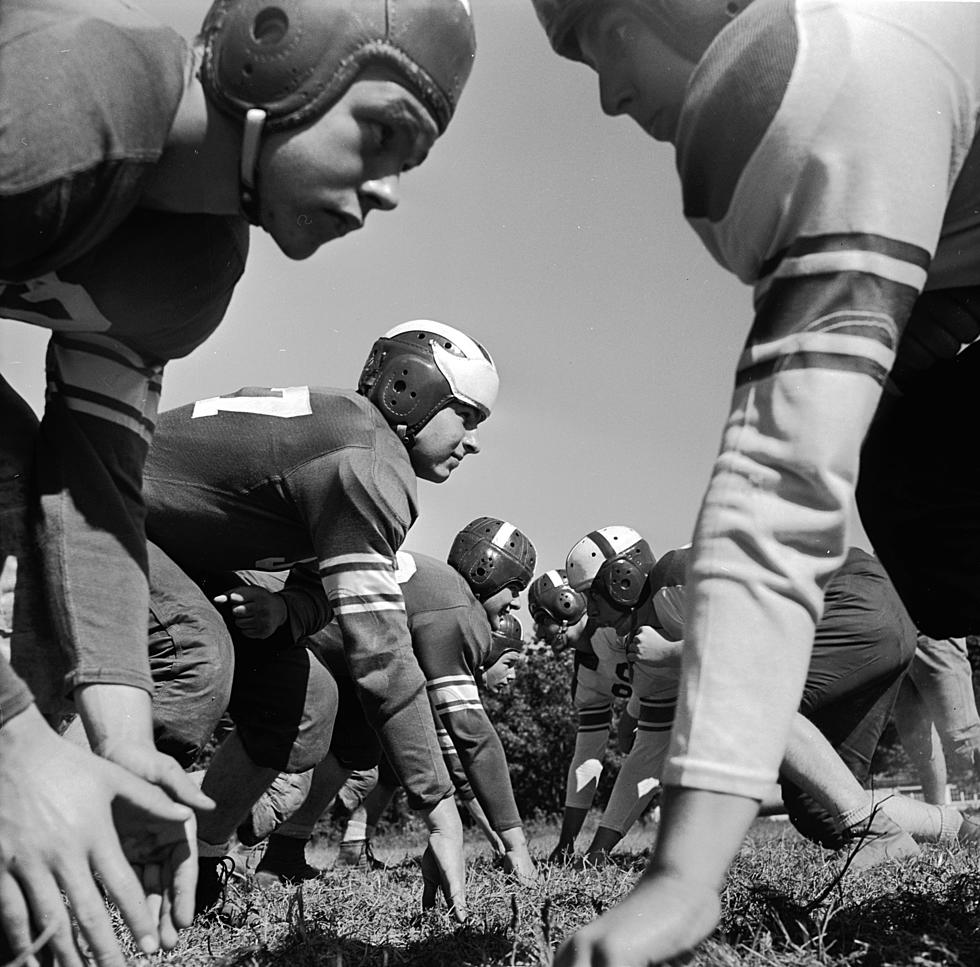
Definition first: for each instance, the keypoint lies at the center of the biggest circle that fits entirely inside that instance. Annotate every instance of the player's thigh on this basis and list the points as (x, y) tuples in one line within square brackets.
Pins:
[(191, 659), (919, 496), (284, 703)]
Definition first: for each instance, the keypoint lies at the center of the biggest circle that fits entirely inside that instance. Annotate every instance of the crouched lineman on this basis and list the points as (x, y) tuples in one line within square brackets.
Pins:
[(602, 672), (366, 795), (862, 648), (266, 478), (455, 609), (129, 166), (557, 609)]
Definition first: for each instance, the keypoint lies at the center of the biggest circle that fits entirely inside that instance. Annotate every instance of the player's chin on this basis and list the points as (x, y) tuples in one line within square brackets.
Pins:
[(302, 238), (436, 472)]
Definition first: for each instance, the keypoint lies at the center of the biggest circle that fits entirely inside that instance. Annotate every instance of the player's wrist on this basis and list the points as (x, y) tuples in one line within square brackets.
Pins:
[(23, 726), (118, 718), (513, 839)]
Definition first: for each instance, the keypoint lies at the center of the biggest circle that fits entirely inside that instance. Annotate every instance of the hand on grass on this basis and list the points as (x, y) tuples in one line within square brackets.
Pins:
[(662, 918), (442, 861), (58, 813)]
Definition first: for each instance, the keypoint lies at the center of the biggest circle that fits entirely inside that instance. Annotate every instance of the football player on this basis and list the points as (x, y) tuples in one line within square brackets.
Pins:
[(455, 610), (602, 671), (863, 647), (558, 612), (132, 164), (264, 479), (788, 120)]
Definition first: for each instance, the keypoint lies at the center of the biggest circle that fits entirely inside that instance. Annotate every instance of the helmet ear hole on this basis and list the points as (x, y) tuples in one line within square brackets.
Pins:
[(270, 26)]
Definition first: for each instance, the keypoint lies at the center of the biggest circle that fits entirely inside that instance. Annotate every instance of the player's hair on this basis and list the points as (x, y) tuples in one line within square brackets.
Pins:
[(688, 26)]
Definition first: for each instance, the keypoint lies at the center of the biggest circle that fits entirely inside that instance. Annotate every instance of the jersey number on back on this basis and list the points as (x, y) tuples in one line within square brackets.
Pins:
[(284, 403)]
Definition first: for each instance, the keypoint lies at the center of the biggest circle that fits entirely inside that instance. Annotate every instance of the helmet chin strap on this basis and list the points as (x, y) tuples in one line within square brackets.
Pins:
[(249, 168)]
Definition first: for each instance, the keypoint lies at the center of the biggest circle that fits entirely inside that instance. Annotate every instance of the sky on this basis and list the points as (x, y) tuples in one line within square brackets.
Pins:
[(552, 234)]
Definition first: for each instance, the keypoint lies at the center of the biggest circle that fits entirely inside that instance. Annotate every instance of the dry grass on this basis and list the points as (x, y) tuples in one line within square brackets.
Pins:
[(785, 906)]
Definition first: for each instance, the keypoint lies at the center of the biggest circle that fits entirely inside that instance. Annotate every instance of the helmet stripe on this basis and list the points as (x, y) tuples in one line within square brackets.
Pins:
[(599, 539), (503, 534)]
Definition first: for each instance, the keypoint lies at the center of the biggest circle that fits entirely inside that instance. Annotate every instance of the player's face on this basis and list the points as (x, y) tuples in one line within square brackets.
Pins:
[(502, 673), (321, 181), (604, 613), (444, 441), (499, 604), (639, 73), (548, 630)]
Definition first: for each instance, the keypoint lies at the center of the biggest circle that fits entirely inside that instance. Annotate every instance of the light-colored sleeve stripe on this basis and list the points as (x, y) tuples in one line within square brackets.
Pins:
[(450, 691), (362, 561), (854, 260), (820, 342), (457, 705), (96, 376), (359, 582), (109, 415), (356, 605)]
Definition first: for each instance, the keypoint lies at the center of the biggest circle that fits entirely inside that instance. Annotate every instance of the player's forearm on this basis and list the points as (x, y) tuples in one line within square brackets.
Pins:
[(700, 834), (393, 695), (15, 696), (93, 540), (771, 532), (513, 839), (482, 757), (115, 713), (306, 602)]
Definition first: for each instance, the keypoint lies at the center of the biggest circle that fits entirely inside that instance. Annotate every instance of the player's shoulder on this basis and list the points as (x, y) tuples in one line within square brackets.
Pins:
[(732, 99), (436, 586), (670, 570), (129, 65)]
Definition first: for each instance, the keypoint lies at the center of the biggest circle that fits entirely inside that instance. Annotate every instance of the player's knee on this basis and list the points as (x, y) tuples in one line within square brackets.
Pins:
[(810, 819)]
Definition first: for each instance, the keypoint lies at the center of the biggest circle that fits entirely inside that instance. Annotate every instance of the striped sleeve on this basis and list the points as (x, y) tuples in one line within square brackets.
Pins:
[(361, 584), (95, 433), (834, 212), (358, 519), (369, 609)]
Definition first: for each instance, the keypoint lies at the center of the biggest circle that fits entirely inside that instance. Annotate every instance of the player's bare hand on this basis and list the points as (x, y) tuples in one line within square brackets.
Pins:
[(942, 321), (625, 732), (119, 724), (646, 644), (442, 861), (518, 862), (257, 612), (57, 833), (662, 918)]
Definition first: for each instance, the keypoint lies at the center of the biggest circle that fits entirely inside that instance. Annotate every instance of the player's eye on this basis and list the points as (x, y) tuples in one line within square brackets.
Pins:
[(381, 134)]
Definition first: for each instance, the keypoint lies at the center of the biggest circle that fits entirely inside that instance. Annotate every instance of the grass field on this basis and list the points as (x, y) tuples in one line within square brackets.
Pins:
[(785, 906)]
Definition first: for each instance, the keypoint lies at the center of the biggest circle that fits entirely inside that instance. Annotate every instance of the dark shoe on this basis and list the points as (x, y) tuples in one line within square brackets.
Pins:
[(357, 853), (212, 879), (279, 872)]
